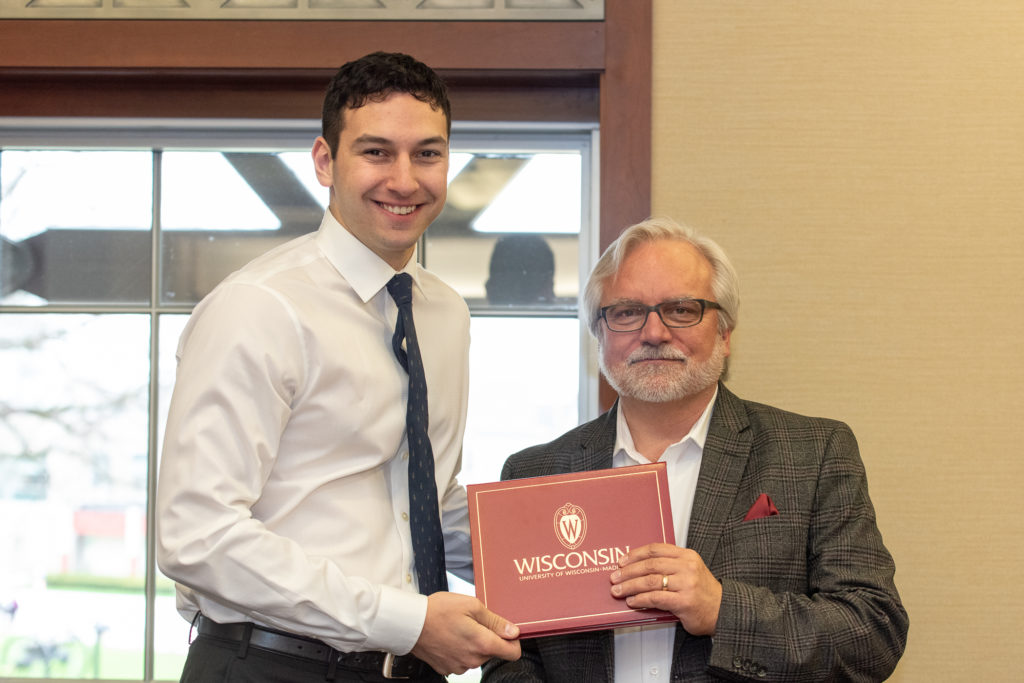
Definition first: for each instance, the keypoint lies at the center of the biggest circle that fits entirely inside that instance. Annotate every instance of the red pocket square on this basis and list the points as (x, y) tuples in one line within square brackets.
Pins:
[(762, 507)]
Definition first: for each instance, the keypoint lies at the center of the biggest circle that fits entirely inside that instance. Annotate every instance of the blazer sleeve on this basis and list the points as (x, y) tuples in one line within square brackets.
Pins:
[(847, 622)]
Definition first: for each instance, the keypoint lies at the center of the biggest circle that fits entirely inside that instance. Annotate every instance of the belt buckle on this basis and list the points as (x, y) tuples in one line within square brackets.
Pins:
[(388, 666)]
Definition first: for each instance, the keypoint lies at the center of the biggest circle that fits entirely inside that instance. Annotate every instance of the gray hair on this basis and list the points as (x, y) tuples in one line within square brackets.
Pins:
[(724, 283)]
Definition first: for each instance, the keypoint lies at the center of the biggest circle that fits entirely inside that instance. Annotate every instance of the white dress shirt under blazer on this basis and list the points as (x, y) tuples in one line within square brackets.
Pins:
[(644, 653)]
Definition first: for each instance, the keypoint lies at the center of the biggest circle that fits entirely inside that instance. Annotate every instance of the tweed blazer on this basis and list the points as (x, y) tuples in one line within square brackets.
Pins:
[(807, 595)]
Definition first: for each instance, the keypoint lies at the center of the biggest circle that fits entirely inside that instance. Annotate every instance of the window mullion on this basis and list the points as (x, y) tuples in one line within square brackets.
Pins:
[(154, 390)]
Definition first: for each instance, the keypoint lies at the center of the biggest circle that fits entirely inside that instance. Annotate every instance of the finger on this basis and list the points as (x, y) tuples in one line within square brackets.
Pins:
[(496, 623), (510, 651), (649, 599), (501, 646), (649, 567), (648, 552), (648, 583)]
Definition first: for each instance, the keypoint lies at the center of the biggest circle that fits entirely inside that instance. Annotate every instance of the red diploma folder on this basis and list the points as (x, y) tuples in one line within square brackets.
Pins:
[(543, 547)]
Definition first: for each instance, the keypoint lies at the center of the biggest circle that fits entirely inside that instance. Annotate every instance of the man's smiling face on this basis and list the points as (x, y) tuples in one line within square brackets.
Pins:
[(658, 363), (389, 178)]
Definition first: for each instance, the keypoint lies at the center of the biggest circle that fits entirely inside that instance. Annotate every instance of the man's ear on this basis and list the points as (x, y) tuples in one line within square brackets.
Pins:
[(323, 162)]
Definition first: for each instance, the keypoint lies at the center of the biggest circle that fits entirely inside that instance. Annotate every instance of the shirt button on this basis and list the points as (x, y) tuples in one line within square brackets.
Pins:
[(405, 455), (408, 578), (653, 672), (405, 516)]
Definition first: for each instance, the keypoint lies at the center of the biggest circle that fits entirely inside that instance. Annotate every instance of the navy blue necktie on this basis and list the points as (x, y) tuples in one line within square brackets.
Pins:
[(425, 521)]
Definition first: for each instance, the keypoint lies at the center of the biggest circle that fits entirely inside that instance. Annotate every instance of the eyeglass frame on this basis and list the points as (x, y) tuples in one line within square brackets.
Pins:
[(705, 304)]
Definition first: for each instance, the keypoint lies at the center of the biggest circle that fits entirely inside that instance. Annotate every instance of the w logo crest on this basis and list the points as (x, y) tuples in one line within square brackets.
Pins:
[(570, 525)]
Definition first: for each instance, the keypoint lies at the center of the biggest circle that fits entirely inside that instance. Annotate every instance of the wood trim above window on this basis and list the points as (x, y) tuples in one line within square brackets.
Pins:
[(277, 94), (543, 71)]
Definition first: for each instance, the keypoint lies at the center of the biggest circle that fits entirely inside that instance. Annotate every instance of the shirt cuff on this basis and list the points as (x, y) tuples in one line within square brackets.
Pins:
[(399, 621)]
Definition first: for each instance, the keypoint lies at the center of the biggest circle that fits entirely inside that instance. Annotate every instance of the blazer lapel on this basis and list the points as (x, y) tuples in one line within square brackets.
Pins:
[(597, 444), (722, 465)]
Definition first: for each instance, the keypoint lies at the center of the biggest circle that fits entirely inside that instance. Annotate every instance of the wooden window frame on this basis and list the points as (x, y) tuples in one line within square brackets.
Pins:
[(509, 70)]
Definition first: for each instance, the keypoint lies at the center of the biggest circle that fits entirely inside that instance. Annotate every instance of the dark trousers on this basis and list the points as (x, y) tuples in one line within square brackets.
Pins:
[(212, 660)]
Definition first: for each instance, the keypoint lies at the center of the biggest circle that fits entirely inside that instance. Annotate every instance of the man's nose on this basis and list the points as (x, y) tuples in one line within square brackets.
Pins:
[(654, 330), (403, 176)]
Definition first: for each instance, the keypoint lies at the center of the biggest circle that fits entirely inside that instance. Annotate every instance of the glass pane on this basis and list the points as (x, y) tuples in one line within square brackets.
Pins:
[(75, 227), (523, 389), (220, 210), (508, 237), (170, 630), (73, 468)]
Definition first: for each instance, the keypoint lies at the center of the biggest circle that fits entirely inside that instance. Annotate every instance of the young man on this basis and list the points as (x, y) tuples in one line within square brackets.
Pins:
[(284, 497), (778, 572)]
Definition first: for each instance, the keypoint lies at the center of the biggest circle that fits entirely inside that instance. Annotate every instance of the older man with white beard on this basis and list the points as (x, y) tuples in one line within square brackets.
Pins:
[(779, 572)]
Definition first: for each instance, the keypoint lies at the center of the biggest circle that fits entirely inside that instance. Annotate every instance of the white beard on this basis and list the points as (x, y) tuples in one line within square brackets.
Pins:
[(664, 383)]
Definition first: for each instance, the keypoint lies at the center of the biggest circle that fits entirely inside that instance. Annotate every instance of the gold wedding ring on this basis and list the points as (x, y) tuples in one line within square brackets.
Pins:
[(664, 582)]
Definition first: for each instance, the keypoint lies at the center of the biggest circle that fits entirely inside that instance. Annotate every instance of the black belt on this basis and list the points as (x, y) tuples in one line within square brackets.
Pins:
[(385, 664)]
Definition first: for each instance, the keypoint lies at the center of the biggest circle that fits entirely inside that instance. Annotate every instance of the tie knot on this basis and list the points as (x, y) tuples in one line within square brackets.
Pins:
[(400, 289)]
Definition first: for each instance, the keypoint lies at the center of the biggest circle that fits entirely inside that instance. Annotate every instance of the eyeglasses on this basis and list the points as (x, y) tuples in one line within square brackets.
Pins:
[(675, 313)]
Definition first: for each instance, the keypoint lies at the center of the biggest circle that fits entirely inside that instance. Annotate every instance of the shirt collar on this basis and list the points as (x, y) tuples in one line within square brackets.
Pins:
[(698, 434), (366, 272)]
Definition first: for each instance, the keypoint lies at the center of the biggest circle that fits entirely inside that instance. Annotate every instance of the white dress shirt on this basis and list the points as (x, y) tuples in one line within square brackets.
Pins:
[(643, 654), (282, 495)]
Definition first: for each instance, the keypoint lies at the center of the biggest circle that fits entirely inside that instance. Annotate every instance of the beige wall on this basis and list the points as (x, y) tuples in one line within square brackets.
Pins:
[(863, 163)]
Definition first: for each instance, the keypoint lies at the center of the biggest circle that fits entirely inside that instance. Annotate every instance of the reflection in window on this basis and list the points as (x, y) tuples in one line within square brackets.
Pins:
[(214, 191), (220, 210), (543, 196), (509, 235), (83, 240), (48, 190)]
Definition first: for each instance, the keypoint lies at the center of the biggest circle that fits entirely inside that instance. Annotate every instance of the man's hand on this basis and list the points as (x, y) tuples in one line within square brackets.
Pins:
[(673, 579), (460, 634)]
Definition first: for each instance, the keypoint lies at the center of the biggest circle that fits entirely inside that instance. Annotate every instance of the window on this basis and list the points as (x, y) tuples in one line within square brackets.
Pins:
[(108, 237)]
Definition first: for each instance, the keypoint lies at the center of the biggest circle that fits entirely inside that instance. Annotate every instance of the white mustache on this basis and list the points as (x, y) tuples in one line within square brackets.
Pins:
[(656, 353)]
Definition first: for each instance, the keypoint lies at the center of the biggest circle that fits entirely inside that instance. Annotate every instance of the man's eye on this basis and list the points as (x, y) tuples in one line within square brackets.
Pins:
[(430, 156), (684, 308), (625, 312)]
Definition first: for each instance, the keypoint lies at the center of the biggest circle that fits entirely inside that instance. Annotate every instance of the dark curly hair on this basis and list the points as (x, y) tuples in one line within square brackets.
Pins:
[(375, 77)]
